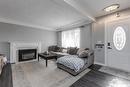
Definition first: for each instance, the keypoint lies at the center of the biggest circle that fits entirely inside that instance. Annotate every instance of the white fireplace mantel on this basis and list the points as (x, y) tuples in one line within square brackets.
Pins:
[(15, 46)]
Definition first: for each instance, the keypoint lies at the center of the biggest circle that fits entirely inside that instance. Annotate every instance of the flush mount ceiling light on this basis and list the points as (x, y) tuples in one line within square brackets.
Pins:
[(111, 7)]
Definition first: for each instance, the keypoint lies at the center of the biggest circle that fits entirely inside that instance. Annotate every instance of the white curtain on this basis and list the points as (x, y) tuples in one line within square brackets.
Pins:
[(71, 38)]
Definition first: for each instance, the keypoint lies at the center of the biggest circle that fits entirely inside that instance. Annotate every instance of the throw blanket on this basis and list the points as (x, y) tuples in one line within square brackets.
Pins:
[(72, 62), (3, 61)]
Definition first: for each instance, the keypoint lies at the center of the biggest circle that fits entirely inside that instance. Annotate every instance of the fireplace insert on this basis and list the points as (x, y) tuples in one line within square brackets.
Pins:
[(27, 54)]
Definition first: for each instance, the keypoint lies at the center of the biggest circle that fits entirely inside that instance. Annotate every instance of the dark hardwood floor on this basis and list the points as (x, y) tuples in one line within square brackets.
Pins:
[(95, 67), (6, 76), (96, 78)]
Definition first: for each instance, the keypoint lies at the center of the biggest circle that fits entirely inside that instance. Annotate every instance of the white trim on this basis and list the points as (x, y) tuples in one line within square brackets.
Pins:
[(99, 63), (25, 24), (105, 44), (73, 25)]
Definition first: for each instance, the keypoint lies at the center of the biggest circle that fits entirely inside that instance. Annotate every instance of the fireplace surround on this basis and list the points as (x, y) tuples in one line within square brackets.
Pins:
[(16, 46)]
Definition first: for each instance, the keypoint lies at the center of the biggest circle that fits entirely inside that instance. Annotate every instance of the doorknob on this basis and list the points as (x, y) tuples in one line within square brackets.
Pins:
[(109, 48)]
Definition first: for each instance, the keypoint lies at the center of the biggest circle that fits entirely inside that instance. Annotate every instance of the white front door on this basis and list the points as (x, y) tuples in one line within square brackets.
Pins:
[(118, 44)]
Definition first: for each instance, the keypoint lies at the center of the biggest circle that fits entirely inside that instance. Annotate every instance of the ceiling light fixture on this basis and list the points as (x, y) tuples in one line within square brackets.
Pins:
[(111, 7)]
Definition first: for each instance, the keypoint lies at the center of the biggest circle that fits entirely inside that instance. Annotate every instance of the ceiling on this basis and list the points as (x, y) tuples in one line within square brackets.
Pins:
[(54, 14)]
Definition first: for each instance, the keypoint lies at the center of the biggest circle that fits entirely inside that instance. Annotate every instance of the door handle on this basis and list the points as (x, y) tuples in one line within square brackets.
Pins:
[(109, 48)]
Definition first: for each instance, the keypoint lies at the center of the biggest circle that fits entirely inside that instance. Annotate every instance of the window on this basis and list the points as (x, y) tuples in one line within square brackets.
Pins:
[(71, 38), (119, 38)]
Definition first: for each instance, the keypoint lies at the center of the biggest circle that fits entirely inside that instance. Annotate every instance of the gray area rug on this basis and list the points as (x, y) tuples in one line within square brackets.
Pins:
[(36, 74), (116, 72)]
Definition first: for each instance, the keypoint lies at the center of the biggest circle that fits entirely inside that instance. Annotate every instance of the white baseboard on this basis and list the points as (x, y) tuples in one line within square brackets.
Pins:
[(99, 63)]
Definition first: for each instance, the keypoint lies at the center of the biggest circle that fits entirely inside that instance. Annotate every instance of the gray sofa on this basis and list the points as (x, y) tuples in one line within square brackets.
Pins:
[(90, 61)]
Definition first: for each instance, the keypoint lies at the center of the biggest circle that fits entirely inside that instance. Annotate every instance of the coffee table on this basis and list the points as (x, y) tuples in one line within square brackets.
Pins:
[(46, 57)]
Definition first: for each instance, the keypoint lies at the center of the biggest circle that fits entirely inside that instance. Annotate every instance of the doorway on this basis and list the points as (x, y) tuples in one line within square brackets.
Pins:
[(118, 44)]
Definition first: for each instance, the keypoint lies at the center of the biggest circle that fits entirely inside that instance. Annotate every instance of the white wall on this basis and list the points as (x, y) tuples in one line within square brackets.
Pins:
[(98, 31), (14, 33)]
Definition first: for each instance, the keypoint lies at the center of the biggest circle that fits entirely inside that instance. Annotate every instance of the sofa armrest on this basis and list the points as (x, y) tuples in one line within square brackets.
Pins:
[(90, 58), (91, 53)]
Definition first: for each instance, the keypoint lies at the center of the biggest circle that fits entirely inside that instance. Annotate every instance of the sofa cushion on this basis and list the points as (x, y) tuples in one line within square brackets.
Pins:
[(87, 49), (54, 48), (72, 50)]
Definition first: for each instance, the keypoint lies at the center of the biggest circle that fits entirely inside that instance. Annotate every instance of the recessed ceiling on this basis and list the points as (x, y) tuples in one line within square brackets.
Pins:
[(54, 14), (95, 7)]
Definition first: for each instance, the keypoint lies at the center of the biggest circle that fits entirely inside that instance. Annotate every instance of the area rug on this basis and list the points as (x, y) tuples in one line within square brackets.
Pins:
[(115, 72), (36, 74)]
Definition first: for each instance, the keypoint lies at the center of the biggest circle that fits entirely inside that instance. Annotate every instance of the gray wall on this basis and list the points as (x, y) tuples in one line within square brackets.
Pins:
[(13, 33), (5, 49), (99, 35), (59, 39), (98, 32), (85, 38)]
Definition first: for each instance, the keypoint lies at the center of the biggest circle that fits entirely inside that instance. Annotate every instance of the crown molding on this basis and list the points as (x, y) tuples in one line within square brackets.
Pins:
[(3, 20), (68, 26), (74, 25)]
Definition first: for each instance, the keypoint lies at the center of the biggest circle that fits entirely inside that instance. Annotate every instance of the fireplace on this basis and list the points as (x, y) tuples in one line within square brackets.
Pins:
[(27, 54), (16, 46)]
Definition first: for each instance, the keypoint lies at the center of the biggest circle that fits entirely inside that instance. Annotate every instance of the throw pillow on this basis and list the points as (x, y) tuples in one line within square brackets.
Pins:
[(64, 50), (52, 48), (72, 50), (80, 50), (83, 54)]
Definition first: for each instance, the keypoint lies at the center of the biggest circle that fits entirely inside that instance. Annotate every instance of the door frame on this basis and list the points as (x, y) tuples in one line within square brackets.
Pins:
[(105, 31)]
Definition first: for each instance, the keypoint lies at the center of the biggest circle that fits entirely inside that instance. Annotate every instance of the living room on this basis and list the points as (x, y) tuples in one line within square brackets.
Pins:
[(66, 43)]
